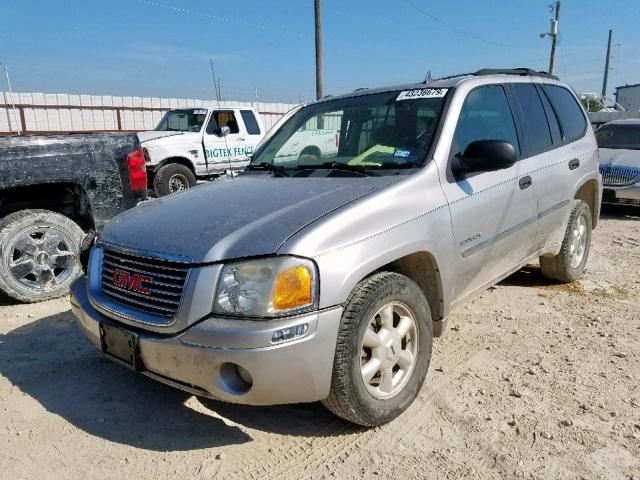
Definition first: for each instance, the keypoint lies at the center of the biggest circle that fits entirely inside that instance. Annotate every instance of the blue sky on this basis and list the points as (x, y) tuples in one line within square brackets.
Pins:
[(150, 48)]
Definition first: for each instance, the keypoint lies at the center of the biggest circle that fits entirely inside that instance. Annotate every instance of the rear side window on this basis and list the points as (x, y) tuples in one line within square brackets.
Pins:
[(534, 119), (569, 113), (485, 115), (250, 122)]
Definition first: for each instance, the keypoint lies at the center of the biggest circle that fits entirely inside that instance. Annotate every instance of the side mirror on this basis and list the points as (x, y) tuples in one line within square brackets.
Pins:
[(224, 131), (486, 156)]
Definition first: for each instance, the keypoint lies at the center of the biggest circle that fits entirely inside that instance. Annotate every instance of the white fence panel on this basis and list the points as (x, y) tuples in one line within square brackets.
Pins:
[(48, 112)]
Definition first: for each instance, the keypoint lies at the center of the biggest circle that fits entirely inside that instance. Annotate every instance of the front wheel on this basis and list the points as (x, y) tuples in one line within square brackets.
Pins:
[(39, 254), (569, 264), (172, 178), (383, 350)]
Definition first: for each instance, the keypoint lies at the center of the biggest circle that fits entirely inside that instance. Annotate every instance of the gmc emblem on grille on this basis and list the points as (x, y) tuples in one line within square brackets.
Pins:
[(131, 281)]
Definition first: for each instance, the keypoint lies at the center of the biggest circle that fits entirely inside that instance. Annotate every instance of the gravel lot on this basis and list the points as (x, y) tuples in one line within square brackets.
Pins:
[(533, 380)]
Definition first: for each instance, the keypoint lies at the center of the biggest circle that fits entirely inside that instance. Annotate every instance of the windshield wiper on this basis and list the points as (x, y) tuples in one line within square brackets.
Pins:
[(270, 167), (360, 169)]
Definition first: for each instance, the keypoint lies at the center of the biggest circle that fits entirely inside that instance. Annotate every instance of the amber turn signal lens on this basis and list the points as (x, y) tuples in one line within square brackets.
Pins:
[(293, 288)]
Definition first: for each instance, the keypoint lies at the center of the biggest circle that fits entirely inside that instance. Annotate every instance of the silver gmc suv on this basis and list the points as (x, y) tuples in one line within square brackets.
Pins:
[(324, 273)]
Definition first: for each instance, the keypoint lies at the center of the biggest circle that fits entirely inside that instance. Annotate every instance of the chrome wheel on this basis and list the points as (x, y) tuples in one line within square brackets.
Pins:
[(41, 257), (389, 350), (578, 243), (178, 182)]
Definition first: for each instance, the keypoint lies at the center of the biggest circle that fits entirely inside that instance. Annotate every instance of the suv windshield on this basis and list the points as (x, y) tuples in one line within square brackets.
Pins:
[(379, 131), (619, 136), (188, 120)]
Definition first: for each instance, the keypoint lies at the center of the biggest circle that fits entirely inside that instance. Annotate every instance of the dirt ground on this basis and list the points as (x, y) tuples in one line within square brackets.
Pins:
[(532, 380)]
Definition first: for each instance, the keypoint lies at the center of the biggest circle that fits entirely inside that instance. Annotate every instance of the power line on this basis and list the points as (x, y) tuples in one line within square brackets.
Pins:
[(453, 27), (218, 18)]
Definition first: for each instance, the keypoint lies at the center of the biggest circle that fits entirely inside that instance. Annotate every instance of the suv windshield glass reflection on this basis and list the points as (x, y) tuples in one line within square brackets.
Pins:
[(189, 120), (389, 130), (619, 136)]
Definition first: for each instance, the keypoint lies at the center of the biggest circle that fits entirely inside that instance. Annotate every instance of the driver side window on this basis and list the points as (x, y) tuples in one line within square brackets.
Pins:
[(222, 119), (485, 115)]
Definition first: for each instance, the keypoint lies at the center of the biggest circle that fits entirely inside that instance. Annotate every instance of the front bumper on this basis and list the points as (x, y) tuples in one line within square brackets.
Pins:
[(629, 195), (203, 359)]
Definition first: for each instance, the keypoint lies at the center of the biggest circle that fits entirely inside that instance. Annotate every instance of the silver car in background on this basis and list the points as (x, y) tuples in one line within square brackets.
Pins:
[(327, 277), (619, 143)]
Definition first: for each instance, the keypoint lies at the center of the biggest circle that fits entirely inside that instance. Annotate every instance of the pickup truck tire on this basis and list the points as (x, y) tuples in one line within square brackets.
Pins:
[(172, 178), (310, 154), (569, 264), (39, 254), (383, 350)]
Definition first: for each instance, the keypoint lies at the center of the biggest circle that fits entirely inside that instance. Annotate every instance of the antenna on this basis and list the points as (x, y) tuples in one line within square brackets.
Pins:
[(13, 104), (216, 89)]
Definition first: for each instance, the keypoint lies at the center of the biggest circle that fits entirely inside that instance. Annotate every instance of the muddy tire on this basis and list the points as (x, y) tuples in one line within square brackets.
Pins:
[(39, 254), (383, 350), (569, 264), (172, 178)]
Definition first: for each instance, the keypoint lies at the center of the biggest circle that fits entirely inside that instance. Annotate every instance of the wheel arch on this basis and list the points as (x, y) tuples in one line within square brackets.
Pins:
[(181, 160), (422, 268), (66, 198), (588, 192), (311, 148)]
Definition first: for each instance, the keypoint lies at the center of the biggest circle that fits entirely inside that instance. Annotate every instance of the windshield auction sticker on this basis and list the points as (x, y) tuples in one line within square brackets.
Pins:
[(422, 93)]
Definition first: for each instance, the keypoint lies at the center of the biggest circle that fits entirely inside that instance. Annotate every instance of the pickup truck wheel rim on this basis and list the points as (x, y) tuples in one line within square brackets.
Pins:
[(178, 182), (41, 258), (389, 350), (578, 243)]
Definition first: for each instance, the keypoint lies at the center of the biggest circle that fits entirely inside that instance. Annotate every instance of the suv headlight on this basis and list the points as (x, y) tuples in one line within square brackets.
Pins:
[(267, 287)]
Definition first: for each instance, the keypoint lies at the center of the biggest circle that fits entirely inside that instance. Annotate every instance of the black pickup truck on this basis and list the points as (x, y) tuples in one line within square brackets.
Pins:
[(56, 194)]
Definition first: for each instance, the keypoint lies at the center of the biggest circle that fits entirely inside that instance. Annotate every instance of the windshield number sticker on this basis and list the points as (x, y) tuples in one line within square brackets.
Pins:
[(422, 93), (399, 153), (199, 112)]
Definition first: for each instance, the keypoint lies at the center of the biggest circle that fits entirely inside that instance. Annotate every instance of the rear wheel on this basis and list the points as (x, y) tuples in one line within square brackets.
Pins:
[(569, 264), (39, 254), (172, 178), (383, 350)]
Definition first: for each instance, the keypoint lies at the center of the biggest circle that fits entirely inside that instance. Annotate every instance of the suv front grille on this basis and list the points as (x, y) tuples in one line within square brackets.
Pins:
[(619, 176), (151, 285)]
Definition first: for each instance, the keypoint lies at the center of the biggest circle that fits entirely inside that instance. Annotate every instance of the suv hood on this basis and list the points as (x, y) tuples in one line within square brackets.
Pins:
[(619, 157), (250, 215)]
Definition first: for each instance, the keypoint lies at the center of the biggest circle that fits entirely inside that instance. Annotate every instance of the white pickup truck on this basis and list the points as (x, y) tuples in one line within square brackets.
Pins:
[(192, 143)]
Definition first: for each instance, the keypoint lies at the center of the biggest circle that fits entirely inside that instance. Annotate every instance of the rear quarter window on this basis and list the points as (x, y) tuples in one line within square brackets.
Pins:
[(570, 115), (250, 122)]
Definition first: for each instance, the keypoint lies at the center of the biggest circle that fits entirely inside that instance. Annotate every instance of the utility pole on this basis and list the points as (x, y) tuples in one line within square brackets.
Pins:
[(554, 37), (606, 67), (318, 17)]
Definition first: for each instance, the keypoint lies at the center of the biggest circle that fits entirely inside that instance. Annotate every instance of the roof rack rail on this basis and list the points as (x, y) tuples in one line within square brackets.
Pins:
[(513, 71), (448, 77)]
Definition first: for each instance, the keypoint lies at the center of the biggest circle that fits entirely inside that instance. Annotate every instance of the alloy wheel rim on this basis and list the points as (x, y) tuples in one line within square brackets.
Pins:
[(389, 350), (578, 244), (41, 258), (177, 183)]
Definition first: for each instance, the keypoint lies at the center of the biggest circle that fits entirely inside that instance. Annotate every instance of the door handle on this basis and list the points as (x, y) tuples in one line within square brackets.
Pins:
[(525, 182), (574, 163), (241, 139)]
